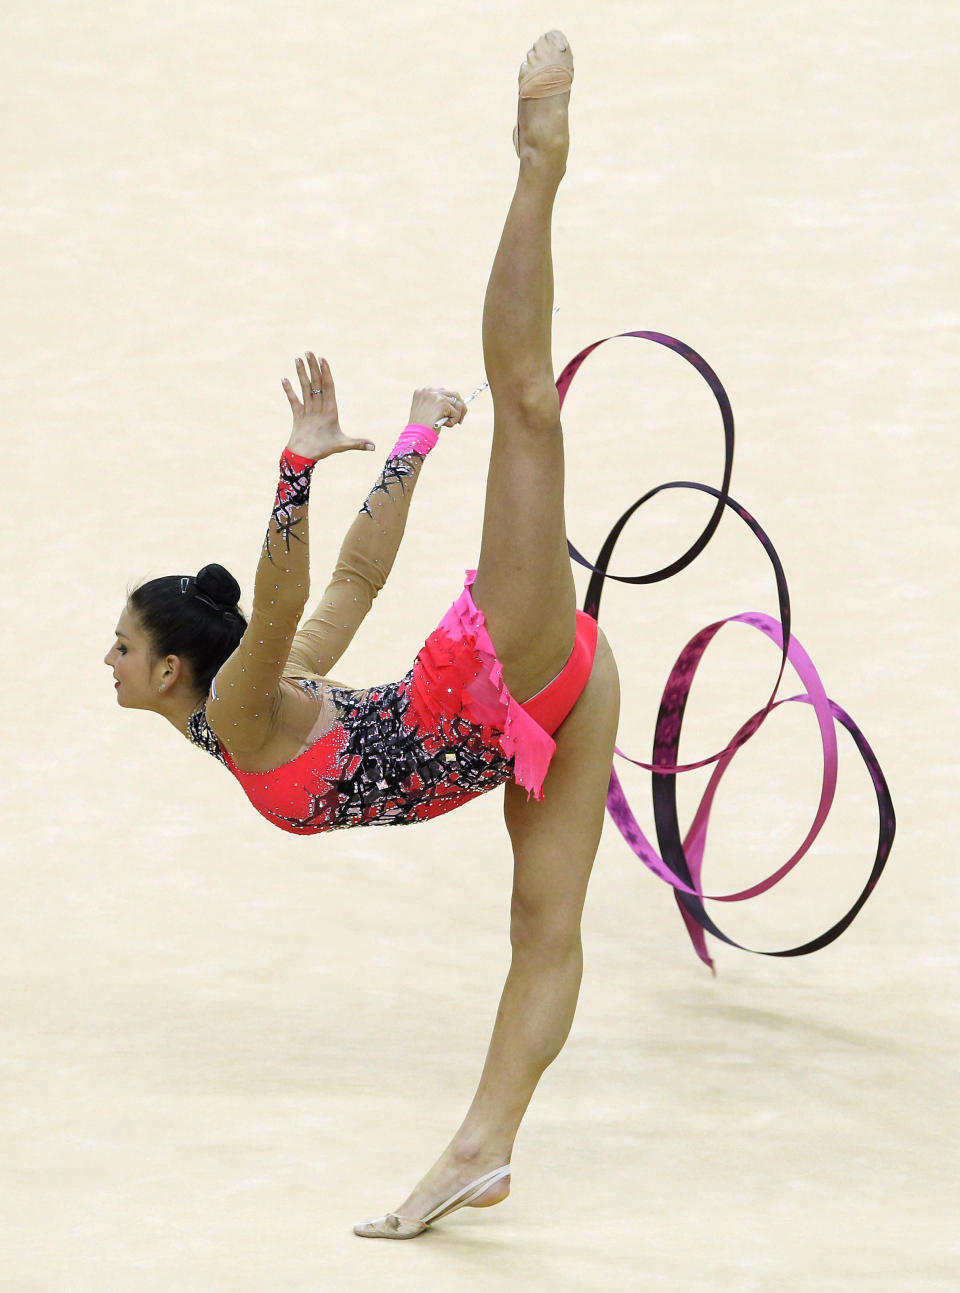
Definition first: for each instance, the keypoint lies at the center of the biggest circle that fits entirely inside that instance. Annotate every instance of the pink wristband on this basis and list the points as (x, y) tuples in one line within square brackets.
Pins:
[(414, 439)]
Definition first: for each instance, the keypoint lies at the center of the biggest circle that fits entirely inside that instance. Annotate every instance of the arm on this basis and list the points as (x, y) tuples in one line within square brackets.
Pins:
[(244, 708), (370, 547)]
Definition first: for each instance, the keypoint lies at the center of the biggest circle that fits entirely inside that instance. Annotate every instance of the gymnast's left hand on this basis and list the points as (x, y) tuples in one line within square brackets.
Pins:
[(316, 422)]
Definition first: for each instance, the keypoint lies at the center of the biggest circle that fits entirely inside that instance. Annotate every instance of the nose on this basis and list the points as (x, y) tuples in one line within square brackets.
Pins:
[(108, 659)]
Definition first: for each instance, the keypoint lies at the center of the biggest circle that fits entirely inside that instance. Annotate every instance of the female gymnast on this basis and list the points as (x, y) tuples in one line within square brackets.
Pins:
[(514, 688)]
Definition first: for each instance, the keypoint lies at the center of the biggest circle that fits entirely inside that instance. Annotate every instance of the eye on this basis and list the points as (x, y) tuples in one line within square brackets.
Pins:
[(121, 648)]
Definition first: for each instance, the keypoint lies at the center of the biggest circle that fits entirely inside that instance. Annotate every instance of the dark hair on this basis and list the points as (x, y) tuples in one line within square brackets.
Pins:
[(194, 617)]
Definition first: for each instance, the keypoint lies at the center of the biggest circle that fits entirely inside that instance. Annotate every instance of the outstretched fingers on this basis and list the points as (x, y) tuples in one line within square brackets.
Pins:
[(341, 446), (295, 404), (316, 423), (304, 377)]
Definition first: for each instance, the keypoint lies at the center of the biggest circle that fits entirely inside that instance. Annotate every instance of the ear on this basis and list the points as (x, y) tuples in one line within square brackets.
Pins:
[(169, 671)]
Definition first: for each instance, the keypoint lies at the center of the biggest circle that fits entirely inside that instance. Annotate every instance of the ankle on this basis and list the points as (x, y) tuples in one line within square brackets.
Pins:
[(473, 1150), (541, 164)]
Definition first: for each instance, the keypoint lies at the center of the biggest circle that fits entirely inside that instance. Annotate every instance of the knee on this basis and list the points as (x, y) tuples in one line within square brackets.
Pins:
[(530, 400), (550, 937)]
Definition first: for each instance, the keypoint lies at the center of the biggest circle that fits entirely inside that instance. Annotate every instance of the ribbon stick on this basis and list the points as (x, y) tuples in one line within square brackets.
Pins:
[(680, 860)]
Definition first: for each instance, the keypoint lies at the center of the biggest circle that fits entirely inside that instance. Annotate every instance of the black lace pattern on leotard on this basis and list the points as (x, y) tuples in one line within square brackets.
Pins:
[(293, 492), (201, 734), (390, 770), (395, 472), (377, 767)]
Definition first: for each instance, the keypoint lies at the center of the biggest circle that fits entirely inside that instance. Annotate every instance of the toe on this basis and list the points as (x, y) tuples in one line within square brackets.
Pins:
[(390, 1227), (549, 47)]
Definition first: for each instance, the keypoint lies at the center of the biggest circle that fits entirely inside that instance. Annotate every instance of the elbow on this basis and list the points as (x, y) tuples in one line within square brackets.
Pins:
[(366, 572)]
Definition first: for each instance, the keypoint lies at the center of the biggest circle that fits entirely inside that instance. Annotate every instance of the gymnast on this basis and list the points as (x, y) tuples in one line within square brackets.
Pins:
[(514, 688)]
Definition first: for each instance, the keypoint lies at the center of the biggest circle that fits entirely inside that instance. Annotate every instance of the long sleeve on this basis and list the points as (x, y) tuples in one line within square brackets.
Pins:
[(246, 692), (366, 559)]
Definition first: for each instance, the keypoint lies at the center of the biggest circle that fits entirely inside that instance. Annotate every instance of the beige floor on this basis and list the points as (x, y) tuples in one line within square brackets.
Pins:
[(221, 1046)]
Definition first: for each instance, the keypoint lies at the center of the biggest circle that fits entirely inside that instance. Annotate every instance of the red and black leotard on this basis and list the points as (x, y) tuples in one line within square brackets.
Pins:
[(393, 754), (410, 750)]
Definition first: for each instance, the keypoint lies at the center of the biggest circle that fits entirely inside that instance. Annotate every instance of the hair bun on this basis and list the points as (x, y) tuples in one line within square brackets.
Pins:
[(219, 585)]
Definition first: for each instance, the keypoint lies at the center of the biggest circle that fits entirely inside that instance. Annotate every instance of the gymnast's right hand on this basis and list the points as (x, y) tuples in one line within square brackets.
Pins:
[(316, 422), (435, 404)]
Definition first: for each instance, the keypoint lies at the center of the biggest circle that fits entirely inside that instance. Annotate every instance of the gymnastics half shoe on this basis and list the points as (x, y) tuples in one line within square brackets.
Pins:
[(393, 1227), (541, 78)]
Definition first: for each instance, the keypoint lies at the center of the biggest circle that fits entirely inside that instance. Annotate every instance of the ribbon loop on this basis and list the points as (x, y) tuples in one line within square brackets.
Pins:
[(680, 860)]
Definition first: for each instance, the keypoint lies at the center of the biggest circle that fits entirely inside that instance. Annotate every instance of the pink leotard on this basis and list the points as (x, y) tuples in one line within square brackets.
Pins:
[(410, 750)]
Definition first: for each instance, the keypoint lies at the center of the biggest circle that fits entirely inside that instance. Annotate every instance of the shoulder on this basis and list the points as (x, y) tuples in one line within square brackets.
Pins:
[(295, 711)]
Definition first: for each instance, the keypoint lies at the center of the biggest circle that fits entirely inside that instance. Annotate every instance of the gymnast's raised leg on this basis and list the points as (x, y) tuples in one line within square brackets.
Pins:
[(525, 588)]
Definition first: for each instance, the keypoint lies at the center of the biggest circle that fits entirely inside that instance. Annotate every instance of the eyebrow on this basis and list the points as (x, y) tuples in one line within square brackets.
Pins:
[(120, 635)]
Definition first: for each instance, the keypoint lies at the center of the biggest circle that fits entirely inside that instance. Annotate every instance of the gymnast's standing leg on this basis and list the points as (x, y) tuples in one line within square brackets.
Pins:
[(525, 588)]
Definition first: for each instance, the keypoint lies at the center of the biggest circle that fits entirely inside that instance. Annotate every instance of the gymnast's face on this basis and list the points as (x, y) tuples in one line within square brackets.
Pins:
[(133, 665)]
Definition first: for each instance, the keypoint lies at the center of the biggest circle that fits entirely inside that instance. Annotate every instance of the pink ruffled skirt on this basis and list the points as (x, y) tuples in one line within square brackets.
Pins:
[(457, 673)]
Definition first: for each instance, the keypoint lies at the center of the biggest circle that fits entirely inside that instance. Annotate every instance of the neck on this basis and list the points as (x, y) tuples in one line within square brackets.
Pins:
[(176, 709)]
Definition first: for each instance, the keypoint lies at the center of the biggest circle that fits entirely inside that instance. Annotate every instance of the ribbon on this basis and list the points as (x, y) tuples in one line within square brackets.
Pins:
[(680, 860)]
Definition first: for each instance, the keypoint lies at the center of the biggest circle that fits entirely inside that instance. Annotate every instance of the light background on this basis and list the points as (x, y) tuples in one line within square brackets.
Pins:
[(220, 1046)]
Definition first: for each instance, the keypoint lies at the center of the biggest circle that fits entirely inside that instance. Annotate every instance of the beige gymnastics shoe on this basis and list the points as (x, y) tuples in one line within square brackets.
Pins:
[(393, 1227), (547, 70)]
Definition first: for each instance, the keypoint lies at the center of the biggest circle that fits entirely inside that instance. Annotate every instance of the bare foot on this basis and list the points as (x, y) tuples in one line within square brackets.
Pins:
[(544, 88)]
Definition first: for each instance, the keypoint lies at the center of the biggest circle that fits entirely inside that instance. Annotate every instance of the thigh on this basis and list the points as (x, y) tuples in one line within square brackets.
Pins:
[(555, 839), (524, 584)]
